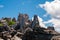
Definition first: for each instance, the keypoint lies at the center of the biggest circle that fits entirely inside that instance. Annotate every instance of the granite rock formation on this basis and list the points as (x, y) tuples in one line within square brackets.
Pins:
[(25, 29)]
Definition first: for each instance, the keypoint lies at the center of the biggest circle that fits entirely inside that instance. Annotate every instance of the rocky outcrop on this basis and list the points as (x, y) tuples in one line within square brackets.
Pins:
[(25, 29), (51, 28)]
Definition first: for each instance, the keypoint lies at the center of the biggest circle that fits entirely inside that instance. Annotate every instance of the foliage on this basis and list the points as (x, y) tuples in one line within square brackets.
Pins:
[(11, 23), (1, 24)]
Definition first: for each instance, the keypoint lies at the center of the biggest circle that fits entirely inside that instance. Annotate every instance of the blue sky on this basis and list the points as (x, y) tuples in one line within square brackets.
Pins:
[(11, 8)]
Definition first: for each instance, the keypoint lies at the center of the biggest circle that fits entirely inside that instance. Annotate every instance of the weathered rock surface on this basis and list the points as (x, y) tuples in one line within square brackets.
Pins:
[(25, 29)]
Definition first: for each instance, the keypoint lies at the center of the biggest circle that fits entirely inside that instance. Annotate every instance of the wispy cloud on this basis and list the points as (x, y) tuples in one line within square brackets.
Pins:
[(55, 22), (1, 6), (53, 9), (41, 23)]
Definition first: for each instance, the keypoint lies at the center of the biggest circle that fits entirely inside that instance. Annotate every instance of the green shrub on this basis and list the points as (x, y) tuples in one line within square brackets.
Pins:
[(1, 24), (11, 23)]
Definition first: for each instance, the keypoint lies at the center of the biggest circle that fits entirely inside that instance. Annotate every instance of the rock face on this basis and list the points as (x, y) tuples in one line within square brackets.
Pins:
[(6, 18), (14, 19), (35, 22), (55, 38), (15, 38), (51, 28), (37, 34), (25, 29)]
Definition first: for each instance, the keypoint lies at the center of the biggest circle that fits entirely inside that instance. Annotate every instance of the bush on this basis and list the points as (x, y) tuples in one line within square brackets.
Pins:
[(11, 23), (1, 24)]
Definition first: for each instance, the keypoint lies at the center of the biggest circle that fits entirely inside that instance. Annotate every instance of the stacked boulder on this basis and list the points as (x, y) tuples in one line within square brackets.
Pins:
[(25, 29)]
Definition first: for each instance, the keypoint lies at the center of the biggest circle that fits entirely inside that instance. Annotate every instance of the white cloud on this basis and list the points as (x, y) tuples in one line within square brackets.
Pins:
[(41, 23), (1, 6), (53, 8), (56, 23)]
